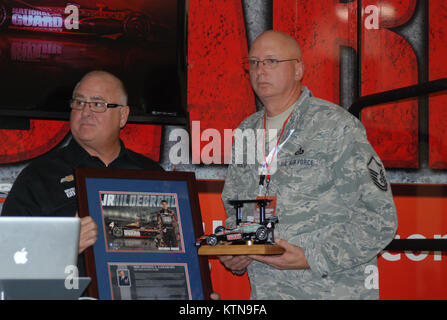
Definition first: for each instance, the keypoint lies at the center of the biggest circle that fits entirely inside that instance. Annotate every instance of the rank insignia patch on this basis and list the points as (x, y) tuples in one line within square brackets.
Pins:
[(377, 173)]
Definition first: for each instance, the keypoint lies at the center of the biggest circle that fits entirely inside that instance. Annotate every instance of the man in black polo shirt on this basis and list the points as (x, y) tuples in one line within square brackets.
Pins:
[(46, 187)]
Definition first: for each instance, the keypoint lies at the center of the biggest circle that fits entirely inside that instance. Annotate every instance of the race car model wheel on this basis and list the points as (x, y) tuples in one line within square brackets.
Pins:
[(262, 234), (211, 240), (117, 232), (137, 25), (2, 13)]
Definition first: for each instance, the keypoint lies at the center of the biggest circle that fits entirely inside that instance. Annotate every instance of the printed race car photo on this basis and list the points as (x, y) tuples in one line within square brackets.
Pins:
[(258, 233), (133, 230), (47, 16)]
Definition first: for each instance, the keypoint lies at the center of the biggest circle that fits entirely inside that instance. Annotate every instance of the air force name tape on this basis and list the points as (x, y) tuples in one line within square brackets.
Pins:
[(377, 173)]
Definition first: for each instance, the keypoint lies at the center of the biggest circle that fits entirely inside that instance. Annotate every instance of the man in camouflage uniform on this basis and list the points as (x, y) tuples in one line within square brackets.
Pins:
[(334, 204)]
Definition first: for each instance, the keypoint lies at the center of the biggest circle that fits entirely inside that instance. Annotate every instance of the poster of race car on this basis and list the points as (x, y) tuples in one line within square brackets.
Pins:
[(134, 19), (141, 222), (147, 225), (59, 41)]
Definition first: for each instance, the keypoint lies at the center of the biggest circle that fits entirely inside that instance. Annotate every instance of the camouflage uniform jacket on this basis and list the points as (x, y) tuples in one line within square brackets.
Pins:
[(333, 201)]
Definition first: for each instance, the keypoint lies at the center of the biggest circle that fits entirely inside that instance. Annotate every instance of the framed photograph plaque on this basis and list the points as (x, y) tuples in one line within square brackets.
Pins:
[(147, 225)]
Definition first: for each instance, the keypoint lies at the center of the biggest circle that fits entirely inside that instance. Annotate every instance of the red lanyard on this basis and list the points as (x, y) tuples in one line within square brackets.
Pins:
[(276, 147)]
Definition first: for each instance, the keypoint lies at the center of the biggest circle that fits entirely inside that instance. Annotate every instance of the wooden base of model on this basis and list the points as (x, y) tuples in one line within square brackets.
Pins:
[(240, 249)]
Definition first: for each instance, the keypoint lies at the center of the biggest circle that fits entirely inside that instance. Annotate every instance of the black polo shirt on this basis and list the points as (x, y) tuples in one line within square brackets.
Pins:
[(46, 187)]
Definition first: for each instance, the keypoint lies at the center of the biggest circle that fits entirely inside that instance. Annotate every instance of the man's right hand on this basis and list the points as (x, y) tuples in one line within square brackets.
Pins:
[(235, 263)]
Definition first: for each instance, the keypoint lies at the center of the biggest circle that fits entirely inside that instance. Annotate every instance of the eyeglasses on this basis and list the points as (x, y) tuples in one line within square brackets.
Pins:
[(95, 106), (267, 63)]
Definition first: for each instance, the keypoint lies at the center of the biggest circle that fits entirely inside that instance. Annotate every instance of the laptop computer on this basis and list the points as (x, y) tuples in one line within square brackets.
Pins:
[(38, 247)]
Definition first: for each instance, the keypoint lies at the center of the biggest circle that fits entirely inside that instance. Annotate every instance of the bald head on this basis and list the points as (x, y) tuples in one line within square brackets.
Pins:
[(277, 80), (282, 39), (109, 78)]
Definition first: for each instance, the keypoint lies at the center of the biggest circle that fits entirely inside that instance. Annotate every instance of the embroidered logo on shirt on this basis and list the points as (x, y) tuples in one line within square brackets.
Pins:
[(300, 151), (70, 192), (377, 173), (67, 178)]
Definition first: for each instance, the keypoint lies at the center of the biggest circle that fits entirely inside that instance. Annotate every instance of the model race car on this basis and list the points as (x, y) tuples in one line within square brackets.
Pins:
[(257, 232), (132, 230)]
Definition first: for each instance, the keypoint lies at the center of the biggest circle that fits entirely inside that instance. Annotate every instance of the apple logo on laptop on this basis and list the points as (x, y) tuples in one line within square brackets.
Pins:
[(20, 256)]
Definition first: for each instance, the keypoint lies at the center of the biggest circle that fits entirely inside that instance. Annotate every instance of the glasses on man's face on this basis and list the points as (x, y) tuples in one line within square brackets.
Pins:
[(95, 106), (267, 63)]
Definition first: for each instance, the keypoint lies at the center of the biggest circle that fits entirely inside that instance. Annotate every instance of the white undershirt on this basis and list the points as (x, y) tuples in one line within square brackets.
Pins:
[(276, 123)]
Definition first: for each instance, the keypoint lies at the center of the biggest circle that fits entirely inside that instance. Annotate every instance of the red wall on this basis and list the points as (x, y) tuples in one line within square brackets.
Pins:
[(219, 92)]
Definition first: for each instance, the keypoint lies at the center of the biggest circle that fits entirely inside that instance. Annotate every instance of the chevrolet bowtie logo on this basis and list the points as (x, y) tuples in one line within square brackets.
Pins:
[(67, 178)]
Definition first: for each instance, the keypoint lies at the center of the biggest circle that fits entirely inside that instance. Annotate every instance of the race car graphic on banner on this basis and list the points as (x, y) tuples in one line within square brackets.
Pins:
[(74, 18)]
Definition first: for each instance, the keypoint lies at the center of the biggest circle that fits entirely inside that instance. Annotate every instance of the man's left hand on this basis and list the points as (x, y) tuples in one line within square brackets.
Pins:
[(292, 258)]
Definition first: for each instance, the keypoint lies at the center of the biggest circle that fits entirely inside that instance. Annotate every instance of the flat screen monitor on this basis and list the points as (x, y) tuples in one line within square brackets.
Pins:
[(46, 46)]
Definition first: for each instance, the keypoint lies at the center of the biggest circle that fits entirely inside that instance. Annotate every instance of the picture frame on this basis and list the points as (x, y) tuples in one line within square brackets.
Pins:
[(147, 225)]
